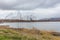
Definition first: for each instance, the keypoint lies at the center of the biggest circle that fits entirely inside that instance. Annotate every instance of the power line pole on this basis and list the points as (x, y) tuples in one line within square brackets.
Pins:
[(19, 14)]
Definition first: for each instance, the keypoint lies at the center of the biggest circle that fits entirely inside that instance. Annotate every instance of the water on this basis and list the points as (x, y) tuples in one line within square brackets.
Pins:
[(13, 25), (55, 26)]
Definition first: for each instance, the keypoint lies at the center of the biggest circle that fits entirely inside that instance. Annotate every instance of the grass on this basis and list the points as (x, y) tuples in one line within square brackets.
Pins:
[(26, 34), (34, 34), (9, 34)]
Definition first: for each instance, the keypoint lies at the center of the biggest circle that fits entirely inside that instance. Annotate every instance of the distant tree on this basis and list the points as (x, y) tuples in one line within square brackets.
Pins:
[(11, 14), (8, 15), (32, 17)]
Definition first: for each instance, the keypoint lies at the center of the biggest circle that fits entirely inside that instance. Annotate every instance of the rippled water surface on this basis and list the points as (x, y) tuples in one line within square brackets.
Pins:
[(55, 26)]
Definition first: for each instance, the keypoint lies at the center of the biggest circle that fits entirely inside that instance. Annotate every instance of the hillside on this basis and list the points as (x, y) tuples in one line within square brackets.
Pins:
[(7, 33)]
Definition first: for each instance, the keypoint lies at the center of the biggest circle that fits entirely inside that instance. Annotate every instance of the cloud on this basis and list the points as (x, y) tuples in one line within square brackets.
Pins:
[(39, 8), (9, 14), (27, 4), (38, 13), (41, 13), (6, 4)]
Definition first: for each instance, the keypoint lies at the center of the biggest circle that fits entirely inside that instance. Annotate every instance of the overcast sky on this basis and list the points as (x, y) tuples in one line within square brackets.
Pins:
[(39, 8)]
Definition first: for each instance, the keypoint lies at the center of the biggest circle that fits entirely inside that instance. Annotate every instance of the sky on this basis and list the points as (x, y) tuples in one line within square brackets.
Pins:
[(40, 9)]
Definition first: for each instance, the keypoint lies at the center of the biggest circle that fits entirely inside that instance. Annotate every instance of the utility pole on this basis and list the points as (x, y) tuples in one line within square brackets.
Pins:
[(20, 17), (19, 14)]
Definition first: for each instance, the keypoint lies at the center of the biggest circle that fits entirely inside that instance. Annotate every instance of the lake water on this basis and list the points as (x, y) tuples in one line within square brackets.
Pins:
[(55, 26)]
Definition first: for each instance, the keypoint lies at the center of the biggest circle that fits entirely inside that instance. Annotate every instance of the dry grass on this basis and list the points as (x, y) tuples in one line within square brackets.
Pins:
[(25, 34), (34, 34)]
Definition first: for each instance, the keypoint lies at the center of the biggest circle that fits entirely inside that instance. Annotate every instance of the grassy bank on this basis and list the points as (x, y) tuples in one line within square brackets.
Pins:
[(26, 34), (34, 34)]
